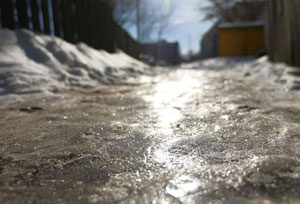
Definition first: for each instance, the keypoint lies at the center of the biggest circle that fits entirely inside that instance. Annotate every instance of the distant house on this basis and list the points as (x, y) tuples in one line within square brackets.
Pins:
[(239, 33), (161, 53), (283, 31), (241, 39)]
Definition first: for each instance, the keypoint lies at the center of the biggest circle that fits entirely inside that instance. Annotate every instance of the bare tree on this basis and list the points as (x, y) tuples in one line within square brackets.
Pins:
[(148, 19), (155, 19), (215, 9), (164, 19), (124, 12), (233, 10), (151, 18)]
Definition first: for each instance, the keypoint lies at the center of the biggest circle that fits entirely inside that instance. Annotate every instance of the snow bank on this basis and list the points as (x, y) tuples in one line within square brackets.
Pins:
[(31, 63), (278, 73)]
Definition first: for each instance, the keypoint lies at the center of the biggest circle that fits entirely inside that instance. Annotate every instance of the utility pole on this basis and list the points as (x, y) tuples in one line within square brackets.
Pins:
[(138, 20), (190, 44)]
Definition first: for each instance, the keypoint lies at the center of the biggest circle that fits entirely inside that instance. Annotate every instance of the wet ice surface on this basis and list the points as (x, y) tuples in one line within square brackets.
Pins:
[(190, 136)]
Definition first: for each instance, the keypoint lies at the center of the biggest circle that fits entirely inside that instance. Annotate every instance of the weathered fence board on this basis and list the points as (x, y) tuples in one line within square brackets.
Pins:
[(80, 16), (83, 16), (7, 14), (57, 18), (35, 15), (88, 21), (23, 20), (125, 42), (283, 31), (106, 19), (94, 18), (46, 18), (68, 21)]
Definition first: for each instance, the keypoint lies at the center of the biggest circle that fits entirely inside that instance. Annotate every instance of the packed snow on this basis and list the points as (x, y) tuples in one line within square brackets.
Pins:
[(35, 63)]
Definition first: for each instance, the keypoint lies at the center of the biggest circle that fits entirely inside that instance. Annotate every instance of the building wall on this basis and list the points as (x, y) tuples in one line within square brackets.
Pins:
[(208, 43), (247, 41), (283, 31), (162, 53)]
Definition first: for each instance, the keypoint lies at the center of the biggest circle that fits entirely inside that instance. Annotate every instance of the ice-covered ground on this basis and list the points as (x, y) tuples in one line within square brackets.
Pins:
[(193, 136), (218, 131), (38, 64)]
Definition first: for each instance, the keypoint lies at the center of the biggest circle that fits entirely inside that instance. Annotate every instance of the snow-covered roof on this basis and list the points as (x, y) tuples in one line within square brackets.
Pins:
[(241, 24)]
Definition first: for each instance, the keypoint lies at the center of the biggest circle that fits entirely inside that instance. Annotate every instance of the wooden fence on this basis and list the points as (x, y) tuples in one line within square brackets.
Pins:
[(283, 31), (88, 21)]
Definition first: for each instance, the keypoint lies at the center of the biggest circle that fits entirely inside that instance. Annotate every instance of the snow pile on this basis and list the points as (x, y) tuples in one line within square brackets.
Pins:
[(31, 63), (218, 64), (278, 73)]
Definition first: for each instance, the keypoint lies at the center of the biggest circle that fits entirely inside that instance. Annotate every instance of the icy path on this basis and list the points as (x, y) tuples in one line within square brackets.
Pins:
[(190, 136)]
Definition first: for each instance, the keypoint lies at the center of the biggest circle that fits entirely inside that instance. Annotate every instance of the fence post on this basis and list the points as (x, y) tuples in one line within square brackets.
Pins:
[(35, 15), (7, 14), (23, 20)]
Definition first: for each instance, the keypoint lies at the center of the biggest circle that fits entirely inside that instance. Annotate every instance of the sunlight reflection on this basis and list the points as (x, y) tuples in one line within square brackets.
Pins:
[(168, 100), (183, 185), (166, 119)]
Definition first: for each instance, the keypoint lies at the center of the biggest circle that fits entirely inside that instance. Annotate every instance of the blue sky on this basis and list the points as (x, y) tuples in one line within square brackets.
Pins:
[(186, 25)]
